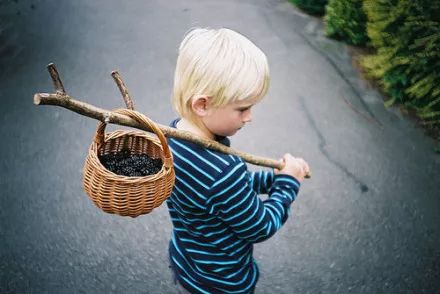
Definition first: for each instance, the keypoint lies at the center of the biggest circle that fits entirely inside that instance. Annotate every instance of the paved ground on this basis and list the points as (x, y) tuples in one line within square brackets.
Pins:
[(367, 222)]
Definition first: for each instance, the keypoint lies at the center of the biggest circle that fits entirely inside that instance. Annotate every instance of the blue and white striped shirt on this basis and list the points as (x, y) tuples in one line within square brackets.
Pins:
[(217, 216)]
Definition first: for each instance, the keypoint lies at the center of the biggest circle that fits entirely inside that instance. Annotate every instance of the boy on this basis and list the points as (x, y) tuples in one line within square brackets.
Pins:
[(214, 206)]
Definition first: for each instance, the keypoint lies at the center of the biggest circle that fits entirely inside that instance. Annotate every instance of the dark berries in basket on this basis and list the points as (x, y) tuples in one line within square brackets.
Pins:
[(131, 165)]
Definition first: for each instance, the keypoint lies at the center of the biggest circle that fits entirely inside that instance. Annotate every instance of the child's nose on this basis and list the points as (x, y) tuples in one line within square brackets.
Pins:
[(247, 116)]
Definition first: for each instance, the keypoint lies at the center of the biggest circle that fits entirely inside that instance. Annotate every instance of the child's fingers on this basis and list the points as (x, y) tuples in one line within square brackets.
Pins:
[(282, 161), (307, 170), (294, 166), (305, 167)]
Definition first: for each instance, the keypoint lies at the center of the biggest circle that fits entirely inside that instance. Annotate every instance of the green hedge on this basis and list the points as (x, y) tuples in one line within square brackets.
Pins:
[(314, 7), (406, 34), (346, 20)]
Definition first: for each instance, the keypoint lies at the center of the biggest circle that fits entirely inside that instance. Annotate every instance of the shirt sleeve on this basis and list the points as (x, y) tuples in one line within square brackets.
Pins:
[(236, 203), (261, 181)]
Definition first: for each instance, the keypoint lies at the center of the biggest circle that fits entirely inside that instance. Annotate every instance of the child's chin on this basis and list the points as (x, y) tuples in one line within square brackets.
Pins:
[(228, 134), (233, 132)]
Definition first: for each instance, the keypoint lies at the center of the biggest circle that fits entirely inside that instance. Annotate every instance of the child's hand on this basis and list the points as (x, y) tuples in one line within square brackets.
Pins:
[(295, 167)]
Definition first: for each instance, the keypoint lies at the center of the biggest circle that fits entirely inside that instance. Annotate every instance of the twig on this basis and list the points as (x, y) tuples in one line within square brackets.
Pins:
[(57, 84), (123, 89)]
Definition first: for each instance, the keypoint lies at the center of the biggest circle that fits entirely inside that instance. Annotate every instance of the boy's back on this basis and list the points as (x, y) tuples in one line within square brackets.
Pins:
[(215, 209), (217, 216)]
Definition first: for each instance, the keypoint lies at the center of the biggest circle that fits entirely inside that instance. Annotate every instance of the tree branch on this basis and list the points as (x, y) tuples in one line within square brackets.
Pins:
[(57, 84), (114, 118), (60, 98), (123, 89)]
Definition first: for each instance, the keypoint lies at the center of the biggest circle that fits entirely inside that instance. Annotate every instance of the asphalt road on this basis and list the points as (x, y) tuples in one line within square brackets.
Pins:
[(367, 222)]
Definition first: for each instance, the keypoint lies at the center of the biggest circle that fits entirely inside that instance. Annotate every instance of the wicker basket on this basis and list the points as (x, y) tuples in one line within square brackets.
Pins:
[(122, 195)]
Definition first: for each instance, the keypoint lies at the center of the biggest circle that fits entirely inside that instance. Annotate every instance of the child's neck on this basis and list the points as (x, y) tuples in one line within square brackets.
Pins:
[(186, 125)]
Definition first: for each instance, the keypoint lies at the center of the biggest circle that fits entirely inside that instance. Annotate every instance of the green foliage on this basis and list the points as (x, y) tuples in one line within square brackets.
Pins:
[(314, 7), (346, 20), (406, 35)]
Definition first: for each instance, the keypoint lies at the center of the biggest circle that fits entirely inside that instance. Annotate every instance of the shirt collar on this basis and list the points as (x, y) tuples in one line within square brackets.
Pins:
[(221, 139)]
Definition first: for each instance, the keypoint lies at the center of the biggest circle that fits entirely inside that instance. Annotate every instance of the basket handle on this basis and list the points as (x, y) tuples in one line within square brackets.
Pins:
[(144, 120)]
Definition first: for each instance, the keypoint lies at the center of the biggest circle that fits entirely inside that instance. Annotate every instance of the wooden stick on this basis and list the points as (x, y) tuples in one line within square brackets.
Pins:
[(60, 98), (123, 89), (57, 84), (111, 117)]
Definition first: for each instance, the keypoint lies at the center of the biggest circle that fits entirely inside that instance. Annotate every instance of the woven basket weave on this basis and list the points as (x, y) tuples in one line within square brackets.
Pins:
[(122, 195)]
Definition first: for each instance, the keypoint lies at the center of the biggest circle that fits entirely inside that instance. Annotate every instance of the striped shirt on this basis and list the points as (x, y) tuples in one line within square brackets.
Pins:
[(217, 216)]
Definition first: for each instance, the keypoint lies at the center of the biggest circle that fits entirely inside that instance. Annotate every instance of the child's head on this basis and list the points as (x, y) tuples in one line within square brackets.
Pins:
[(221, 65)]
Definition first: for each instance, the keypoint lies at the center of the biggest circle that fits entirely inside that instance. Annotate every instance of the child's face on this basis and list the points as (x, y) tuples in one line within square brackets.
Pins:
[(228, 119)]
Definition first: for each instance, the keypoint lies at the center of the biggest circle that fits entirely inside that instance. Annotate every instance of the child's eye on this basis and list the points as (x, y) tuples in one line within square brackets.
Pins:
[(244, 109)]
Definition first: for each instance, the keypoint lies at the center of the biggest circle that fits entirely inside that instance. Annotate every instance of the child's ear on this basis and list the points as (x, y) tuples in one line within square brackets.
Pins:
[(200, 105)]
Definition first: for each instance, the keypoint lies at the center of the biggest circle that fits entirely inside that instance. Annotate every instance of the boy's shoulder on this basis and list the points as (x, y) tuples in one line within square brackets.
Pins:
[(226, 161), (190, 157), (190, 154)]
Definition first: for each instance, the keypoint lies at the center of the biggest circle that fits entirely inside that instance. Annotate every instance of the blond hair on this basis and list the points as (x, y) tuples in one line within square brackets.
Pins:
[(221, 64)]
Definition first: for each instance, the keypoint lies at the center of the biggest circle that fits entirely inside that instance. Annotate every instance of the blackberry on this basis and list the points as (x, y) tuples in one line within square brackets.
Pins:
[(131, 165)]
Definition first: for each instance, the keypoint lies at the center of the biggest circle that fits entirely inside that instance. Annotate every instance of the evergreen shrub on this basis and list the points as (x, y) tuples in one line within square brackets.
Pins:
[(346, 20), (314, 7), (406, 35)]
